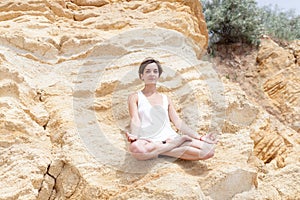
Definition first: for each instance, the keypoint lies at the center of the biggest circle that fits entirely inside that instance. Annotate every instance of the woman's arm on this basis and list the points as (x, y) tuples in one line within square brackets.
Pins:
[(179, 123), (135, 122)]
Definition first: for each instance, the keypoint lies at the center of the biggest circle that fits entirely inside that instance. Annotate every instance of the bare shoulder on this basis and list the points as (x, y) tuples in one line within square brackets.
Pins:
[(133, 97), (169, 100)]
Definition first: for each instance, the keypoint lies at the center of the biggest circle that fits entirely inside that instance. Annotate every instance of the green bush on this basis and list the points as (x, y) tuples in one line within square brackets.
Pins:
[(279, 24), (231, 21)]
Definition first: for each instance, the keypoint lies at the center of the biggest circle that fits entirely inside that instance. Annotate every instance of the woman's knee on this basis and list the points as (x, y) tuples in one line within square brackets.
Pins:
[(135, 147), (205, 151), (208, 155)]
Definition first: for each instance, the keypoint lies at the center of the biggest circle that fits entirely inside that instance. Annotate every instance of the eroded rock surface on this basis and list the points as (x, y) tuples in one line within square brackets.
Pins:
[(67, 68), (279, 73)]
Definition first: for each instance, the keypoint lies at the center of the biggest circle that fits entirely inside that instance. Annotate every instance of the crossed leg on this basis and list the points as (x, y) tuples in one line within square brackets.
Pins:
[(183, 147), (143, 149), (192, 150)]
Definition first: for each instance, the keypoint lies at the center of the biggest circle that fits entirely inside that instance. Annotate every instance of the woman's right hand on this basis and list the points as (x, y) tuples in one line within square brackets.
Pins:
[(131, 138)]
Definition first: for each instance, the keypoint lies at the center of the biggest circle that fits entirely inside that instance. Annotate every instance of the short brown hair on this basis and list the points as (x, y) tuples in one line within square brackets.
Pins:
[(146, 62)]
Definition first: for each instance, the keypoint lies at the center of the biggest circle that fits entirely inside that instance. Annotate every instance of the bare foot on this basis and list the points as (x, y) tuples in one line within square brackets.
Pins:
[(179, 140), (209, 138)]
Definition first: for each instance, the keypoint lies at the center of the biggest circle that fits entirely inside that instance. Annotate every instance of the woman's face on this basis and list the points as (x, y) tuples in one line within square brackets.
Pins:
[(150, 74)]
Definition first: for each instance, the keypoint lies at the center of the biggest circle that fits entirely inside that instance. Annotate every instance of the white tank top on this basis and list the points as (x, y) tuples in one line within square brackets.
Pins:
[(155, 122)]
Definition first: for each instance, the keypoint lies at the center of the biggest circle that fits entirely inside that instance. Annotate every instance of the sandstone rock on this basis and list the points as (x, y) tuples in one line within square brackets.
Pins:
[(90, 2), (279, 74), (67, 68), (295, 48), (46, 190), (62, 23), (24, 144)]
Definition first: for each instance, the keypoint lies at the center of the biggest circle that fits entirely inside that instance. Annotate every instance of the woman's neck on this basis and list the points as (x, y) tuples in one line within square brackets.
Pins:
[(149, 89)]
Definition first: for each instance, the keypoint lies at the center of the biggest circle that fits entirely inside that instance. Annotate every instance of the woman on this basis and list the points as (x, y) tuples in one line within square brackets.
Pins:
[(151, 131)]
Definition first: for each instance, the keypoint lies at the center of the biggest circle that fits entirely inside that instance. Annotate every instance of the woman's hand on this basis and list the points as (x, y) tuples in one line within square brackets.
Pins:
[(131, 138)]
